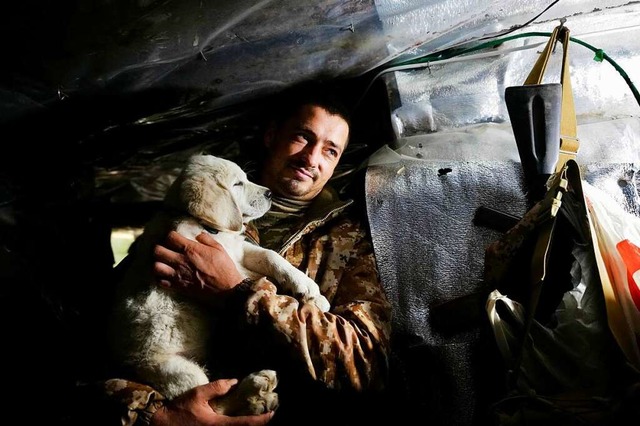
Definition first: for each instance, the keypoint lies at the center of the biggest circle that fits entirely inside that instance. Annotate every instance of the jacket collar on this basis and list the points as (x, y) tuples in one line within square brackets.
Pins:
[(323, 208), (326, 205)]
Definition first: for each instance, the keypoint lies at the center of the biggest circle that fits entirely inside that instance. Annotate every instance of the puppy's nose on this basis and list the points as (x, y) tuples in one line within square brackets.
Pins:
[(268, 194)]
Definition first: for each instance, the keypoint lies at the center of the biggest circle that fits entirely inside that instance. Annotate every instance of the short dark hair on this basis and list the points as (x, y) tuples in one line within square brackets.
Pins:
[(277, 108), (317, 93)]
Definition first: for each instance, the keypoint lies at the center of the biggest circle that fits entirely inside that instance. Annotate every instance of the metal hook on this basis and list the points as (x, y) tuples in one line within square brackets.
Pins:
[(561, 28)]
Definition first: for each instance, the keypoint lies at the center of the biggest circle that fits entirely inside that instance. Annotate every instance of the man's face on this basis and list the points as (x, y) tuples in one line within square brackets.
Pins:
[(303, 152)]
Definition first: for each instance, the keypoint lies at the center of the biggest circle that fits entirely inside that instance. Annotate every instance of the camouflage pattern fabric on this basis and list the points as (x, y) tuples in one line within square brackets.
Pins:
[(346, 348)]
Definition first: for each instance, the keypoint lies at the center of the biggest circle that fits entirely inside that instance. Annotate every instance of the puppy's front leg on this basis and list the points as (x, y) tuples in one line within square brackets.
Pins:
[(172, 374), (255, 394), (270, 264)]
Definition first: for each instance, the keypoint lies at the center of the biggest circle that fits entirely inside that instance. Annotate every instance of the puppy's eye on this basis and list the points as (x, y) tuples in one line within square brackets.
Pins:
[(239, 183)]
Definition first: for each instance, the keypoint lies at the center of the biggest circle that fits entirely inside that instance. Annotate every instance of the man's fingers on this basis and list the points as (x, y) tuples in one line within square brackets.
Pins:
[(177, 242), (164, 283), (218, 388), (165, 255), (207, 238), (180, 244), (163, 271), (259, 420)]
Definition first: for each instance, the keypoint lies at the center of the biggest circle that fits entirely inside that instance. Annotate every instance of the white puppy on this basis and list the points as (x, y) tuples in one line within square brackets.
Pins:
[(165, 338)]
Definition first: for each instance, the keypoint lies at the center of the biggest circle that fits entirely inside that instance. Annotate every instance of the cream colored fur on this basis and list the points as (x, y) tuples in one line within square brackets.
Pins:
[(166, 339)]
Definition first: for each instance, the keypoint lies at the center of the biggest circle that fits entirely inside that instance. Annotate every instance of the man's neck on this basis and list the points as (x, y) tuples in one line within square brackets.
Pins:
[(289, 206), (277, 223)]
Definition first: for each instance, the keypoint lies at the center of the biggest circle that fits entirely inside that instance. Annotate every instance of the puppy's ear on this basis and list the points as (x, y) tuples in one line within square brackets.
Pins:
[(200, 192), (173, 198), (217, 207)]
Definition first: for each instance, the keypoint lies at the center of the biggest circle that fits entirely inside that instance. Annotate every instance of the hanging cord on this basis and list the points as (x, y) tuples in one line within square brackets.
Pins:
[(449, 54)]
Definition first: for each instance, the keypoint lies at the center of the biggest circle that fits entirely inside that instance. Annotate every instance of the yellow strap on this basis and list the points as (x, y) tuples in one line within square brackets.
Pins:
[(569, 143), (546, 221), (567, 174), (537, 72), (569, 177)]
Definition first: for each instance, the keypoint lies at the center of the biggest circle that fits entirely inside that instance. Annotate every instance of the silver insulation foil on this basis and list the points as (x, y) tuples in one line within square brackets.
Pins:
[(430, 252), (454, 152)]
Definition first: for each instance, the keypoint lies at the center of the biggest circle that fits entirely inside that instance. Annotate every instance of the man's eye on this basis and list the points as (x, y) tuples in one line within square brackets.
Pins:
[(333, 152)]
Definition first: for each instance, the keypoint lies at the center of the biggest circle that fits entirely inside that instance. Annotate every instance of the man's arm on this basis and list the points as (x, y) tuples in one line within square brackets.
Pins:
[(290, 279), (345, 348), (141, 405)]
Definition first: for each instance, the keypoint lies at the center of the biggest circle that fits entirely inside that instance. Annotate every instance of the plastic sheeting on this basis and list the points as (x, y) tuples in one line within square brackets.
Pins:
[(235, 48), (179, 65)]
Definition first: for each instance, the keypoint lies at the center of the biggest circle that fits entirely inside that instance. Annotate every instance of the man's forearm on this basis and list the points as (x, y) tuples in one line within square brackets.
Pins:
[(137, 402), (345, 348)]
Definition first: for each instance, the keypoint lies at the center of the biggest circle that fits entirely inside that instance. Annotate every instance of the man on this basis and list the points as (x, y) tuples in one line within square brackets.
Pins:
[(330, 365)]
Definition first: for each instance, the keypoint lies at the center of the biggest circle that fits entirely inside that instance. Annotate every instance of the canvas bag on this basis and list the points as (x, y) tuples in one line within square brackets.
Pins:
[(547, 311)]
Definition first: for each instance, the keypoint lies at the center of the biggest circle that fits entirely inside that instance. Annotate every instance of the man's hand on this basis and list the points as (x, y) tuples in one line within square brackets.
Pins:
[(201, 266), (192, 409)]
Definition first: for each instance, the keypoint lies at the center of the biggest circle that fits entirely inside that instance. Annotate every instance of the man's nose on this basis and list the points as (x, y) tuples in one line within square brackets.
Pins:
[(311, 154)]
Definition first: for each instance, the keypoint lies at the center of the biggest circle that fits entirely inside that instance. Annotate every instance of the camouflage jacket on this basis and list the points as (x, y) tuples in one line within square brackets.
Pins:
[(344, 351)]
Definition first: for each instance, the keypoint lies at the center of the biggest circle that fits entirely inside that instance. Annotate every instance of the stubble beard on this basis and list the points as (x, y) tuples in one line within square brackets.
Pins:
[(295, 188)]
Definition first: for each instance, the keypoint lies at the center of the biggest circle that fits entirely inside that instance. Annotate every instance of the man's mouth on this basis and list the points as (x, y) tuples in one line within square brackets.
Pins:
[(303, 173)]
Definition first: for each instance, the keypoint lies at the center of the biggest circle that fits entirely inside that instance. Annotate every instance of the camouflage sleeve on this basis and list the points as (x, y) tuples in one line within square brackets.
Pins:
[(137, 402), (346, 348)]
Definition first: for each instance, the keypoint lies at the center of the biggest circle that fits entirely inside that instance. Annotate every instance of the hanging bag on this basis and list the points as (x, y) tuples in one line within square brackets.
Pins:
[(547, 312), (617, 250)]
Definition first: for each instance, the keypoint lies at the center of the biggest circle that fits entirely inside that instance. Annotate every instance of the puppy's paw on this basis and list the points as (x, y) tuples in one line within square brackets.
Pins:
[(306, 290), (320, 301), (303, 286), (253, 395)]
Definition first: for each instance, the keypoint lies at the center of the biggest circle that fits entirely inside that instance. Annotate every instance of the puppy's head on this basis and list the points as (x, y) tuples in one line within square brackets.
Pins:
[(217, 192)]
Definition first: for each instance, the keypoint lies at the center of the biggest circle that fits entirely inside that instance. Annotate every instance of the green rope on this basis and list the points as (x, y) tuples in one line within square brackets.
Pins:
[(450, 53), (600, 55)]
